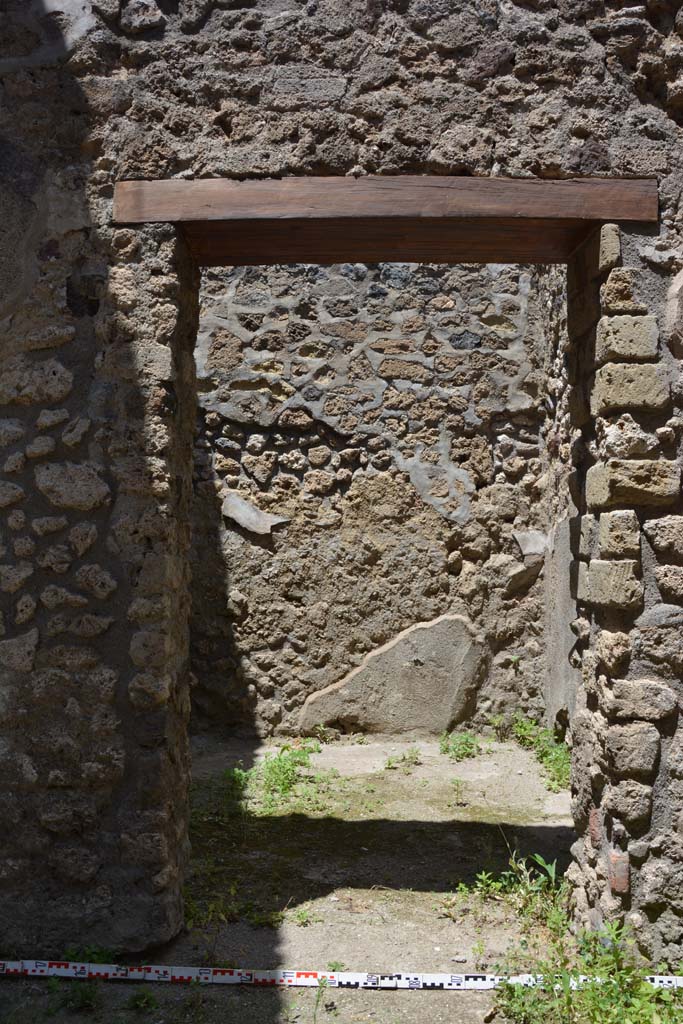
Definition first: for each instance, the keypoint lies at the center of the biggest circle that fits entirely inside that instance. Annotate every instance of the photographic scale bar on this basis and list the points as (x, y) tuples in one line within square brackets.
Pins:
[(287, 979)]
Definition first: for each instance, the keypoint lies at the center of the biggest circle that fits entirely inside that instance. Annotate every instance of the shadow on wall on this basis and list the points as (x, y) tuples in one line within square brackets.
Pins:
[(98, 406)]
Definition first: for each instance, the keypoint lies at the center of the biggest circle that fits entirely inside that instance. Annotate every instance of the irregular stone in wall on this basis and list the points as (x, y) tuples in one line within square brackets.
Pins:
[(96, 581), (19, 652), (53, 596), (657, 636), (10, 494), (630, 801), (44, 525), (25, 382), (612, 649), (40, 447), (645, 699), (10, 431), (670, 581), (424, 680), (626, 337), (666, 535), (71, 485), (619, 872), (638, 482), (82, 536), (148, 648), (623, 438), (614, 584), (619, 534), (621, 292), (633, 750), (51, 418), (13, 577), (248, 516), (629, 386), (57, 557), (147, 691)]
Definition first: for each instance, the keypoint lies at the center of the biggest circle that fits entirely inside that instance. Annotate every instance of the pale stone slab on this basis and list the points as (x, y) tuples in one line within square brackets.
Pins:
[(645, 482), (626, 337), (614, 584), (620, 386), (424, 680), (619, 534)]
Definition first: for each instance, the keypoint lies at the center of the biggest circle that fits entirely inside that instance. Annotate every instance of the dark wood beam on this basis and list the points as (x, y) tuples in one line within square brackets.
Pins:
[(374, 218)]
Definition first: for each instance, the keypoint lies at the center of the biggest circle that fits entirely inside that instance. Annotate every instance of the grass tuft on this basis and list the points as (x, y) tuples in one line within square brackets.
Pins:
[(553, 754)]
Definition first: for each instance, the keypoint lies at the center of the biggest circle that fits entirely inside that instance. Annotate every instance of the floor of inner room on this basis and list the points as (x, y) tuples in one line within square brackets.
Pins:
[(356, 868)]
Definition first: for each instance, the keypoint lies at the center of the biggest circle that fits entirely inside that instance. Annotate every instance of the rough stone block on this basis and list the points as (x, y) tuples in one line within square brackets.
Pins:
[(670, 581), (423, 680), (619, 534), (644, 482), (626, 338), (622, 438), (621, 292), (609, 252), (613, 649), (666, 535), (18, 654), (633, 750), (619, 872), (645, 699), (620, 386), (71, 485), (614, 584), (630, 801)]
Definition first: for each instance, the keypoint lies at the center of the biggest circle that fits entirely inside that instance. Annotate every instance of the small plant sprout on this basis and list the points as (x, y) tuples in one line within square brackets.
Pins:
[(553, 754), (515, 661), (459, 745), (336, 965), (406, 762)]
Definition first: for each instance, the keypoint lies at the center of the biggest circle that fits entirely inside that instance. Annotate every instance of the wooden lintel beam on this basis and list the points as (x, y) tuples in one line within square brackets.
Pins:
[(374, 218), (209, 199)]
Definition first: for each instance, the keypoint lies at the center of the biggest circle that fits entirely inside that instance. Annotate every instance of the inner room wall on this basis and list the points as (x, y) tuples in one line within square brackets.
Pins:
[(381, 494)]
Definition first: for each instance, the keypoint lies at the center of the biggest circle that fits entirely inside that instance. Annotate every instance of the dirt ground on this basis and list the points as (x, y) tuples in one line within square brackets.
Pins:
[(356, 869)]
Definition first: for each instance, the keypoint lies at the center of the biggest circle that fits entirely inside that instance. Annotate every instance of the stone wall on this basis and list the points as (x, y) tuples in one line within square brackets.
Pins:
[(371, 457), (96, 383)]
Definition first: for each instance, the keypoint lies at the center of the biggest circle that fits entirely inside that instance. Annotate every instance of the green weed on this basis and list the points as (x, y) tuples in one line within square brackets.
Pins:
[(336, 965), (78, 996), (614, 988), (552, 754), (143, 1001), (459, 745), (501, 726), (406, 762)]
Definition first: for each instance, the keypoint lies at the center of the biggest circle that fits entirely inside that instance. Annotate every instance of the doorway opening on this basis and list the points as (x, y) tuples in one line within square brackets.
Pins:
[(373, 539)]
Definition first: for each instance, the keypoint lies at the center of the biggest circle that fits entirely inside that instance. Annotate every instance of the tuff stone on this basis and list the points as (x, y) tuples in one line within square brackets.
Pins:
[(13, 577), (645, 699), (666, 535), (633, 750), (147, 691), (621, 292), (614, 584), (670, 581), (71, 485), (619, 386), (619, 872), (626, 337), (18, 654), (96, 581), (24, 382), (10, 494), (639, 482), (622, 438), (10, 431), (629, 801), (619, 534)]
